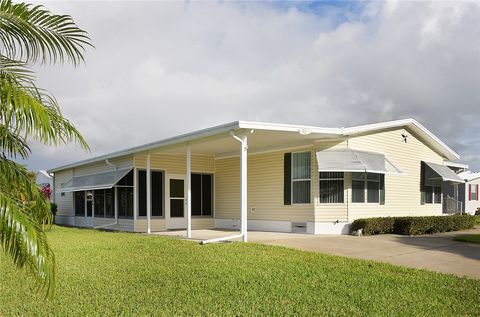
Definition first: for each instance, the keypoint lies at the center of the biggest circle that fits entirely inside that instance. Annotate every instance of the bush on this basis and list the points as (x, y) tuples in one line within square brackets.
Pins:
[(413, 225), (370, 226), (53, 208)]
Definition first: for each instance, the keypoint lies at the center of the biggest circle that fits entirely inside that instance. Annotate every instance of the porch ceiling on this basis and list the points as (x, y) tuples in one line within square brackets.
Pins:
[(224, 145)]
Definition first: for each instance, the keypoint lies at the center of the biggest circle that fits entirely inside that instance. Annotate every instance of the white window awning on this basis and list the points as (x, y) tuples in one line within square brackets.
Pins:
[(104, 180), (348, 160), (443, 172)]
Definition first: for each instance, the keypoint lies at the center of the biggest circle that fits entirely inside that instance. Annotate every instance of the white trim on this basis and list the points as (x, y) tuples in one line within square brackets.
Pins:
[(454, 164)]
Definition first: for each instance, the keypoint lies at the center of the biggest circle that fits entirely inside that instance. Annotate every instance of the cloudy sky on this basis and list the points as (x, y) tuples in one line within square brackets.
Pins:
[(163, 68)]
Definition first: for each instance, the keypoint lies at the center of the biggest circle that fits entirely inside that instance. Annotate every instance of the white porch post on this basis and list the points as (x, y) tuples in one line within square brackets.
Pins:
[(189, 191), (243, 186), (149, 195), (135, 194)]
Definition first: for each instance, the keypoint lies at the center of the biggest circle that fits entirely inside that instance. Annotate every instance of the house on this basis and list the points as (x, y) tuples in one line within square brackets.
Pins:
[(469, 191), (278, 177)]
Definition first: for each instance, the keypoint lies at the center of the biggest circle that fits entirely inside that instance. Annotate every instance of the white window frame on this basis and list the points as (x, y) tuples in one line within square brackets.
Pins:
[(365, 189), (300, 180), (473, 191)]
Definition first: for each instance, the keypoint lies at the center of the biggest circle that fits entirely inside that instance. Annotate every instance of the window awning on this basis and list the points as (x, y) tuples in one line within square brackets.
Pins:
[(104, 180), (348, 160), (444, 173)]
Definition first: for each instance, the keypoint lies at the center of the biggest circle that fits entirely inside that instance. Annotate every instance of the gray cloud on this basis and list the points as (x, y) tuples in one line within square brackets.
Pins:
[(162, 68)]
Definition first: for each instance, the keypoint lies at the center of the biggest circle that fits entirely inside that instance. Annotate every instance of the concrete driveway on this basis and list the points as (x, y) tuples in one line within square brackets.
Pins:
[(436, 252)]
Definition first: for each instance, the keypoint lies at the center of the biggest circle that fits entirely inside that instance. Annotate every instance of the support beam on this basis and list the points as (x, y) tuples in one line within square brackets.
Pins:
[(243, 186), (188, 179), (149, 195), (135, 194)]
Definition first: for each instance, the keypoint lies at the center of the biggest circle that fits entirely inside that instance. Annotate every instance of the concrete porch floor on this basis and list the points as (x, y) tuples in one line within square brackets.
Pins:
[(438, 252)]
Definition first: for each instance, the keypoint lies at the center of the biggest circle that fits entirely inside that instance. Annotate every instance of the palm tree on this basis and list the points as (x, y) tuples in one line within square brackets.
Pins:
[(31, 34)]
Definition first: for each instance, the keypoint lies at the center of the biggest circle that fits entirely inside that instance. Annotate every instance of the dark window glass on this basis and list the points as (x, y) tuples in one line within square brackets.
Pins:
[(176, 208), (157, 193), (438, 195), (109, 203), (142, 193), (428, 194), (89, 195), (176, 188), (125, 202), (301, 192), (331, 187), (196, 194), (99, 201), (127, 180), (207, 189), (358, 187), (79, 204), (373, 191)]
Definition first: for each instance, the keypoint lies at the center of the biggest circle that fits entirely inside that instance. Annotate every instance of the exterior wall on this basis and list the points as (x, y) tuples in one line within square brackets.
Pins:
[(66, 214), (471, 205), (265, 192), (64, 201), (105, 223), (159, 224), (402, 192)]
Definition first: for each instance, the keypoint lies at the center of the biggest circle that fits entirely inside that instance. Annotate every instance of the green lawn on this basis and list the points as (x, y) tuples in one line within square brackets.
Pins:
[(474, 238), (113, 274)]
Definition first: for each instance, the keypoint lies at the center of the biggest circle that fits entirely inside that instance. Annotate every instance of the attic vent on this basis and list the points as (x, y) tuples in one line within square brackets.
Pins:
[(299, 227)]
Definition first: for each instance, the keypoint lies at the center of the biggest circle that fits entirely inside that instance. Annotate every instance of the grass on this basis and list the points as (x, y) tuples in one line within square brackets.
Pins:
[(472, 238), (113, 274)]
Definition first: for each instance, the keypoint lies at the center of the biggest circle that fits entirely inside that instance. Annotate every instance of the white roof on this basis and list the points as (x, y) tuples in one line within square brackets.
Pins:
[(469, 175), (309, 133)]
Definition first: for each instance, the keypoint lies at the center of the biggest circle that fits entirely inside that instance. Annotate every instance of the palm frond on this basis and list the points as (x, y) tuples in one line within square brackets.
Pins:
[(33, 33), (24, 240), (26, 109)]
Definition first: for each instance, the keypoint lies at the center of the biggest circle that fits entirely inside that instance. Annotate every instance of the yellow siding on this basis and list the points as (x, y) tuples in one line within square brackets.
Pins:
[(402, 192), (102, 166), (65, 202), (176, 163), (265, 189)]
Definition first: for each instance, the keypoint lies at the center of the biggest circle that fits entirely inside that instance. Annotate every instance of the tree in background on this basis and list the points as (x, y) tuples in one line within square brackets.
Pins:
[(31, 34)]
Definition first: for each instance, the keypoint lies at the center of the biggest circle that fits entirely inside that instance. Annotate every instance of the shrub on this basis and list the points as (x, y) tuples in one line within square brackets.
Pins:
[(413, 225), (53, 208), (370, 226)]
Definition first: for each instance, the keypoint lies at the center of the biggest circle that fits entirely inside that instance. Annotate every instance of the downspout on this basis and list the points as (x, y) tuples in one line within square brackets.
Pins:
[(243, 208)]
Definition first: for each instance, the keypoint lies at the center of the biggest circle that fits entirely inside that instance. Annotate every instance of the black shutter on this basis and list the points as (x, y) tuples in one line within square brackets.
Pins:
[(382, 189), (287, 179), (422, 183)]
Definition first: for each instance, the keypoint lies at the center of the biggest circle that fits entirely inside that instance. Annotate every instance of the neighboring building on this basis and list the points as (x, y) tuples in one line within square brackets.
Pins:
[(470, 191), (42, 178), (285, 178)]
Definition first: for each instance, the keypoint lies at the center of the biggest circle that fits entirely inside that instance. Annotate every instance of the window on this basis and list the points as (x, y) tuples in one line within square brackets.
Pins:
[(430, 185), (373, 188), (157, 193), (358, 187), (473, 191), (110, 203), (301, 177), (368, 187), (79, 204), (331, 189), (99, 203), (125, 196), (202, 194)]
